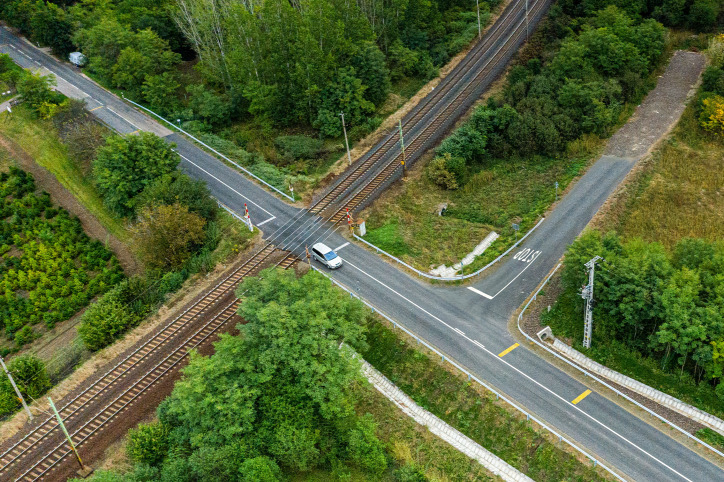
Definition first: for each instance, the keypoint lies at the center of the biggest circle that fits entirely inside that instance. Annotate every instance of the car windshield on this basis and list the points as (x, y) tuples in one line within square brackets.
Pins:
[(329, 256)]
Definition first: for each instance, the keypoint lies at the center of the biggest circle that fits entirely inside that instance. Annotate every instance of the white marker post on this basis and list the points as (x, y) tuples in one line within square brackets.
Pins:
[(247, 218), (291, 190)]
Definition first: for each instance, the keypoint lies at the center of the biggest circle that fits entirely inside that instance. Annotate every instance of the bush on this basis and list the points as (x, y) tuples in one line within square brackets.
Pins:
[(438, 173), (260, 469), (105, 320), (148, 443), (177, 187), (365, 449), (409, 473), (711, 117), (25, 335), (298, 147), (31, 378)]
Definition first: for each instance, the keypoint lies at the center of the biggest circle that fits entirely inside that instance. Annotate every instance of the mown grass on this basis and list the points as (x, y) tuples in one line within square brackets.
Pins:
[(39, 139), (405, 223), (478, 416)]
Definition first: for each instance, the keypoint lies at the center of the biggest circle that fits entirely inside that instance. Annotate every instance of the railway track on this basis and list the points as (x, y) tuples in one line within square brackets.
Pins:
[(101, 403), (439, 122), (456, 89)]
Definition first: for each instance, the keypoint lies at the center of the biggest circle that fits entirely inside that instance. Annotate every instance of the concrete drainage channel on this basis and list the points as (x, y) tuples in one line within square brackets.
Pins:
[(464, 444)]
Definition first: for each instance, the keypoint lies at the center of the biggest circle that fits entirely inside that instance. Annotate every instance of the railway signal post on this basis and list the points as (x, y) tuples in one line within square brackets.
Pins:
[(17, 390)]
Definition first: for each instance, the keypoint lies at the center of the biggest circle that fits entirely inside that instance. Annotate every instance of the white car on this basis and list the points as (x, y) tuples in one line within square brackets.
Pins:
[(326, 256)]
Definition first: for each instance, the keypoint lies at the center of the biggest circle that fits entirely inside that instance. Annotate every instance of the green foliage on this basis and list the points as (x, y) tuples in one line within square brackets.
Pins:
[(49, 268), (107, 319), (166, 235), (36, 90), (161, 92), (280, 391), (148, 443), (438, 171), (177, 187), (345, 93), (208, 106), (667, 307), (365, 449), (31, 378), (298, 147), (409, 473), (125, 166)]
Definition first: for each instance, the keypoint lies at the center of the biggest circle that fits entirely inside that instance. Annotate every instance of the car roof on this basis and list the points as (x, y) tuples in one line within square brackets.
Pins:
[(323, 248)]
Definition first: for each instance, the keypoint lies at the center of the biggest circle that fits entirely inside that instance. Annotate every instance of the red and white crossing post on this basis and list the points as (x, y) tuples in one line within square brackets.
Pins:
[(247, 219)]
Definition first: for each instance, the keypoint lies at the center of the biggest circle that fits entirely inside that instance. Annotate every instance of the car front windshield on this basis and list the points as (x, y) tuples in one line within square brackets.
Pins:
[(329, 256)]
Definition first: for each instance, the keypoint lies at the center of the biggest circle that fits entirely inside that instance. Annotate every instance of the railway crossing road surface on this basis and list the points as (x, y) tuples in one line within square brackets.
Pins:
[(468, 327)]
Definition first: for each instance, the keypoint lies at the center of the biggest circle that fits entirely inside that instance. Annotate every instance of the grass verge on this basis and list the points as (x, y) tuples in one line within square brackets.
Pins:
[(480, 417), (39, 139)]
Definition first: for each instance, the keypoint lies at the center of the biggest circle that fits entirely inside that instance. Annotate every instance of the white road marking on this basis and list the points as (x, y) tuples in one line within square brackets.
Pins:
[(480, 292), (222, 182), (474, 290), (476, 342), (119, 115), (340, 247), (459, 331), (534, 381), (266, 221)]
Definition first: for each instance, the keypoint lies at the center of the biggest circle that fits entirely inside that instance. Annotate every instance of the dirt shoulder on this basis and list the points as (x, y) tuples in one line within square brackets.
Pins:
[(62, 197)]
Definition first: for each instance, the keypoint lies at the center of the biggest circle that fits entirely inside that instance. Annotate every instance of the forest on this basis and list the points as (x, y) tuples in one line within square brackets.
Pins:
[(259, 79)]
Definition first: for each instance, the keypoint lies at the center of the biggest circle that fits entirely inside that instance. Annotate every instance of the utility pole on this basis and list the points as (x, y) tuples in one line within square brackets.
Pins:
[(480, 31), (587, 294), (17, 390), (67, 435), (346, 142), (402, 145)]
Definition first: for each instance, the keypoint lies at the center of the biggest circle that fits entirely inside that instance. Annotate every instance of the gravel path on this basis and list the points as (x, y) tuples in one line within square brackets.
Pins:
[(661, 109)]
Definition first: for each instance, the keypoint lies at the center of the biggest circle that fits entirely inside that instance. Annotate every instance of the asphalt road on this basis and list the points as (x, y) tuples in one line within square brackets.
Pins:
[(469, 327)]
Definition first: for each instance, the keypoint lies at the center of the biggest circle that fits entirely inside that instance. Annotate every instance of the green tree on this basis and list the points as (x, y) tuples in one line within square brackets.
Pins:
[(281, 389), (177, 187), (51, 26), (161, 92), (365, 449), (370, 66), (260, 469), (345, 93), (166, 235), (103, 43), (31, 378), (148, 443), (208, 106), (36, 90), (105, 320), (127, 164)]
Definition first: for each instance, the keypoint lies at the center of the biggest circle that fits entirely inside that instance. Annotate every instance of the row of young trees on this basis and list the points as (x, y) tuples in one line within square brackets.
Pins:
[(49, 267), (275, 400), (711, 98)]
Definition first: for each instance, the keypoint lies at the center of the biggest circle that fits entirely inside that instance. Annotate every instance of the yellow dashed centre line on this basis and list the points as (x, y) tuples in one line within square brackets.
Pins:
[(96, 108), (508, 350), (581, 397)]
